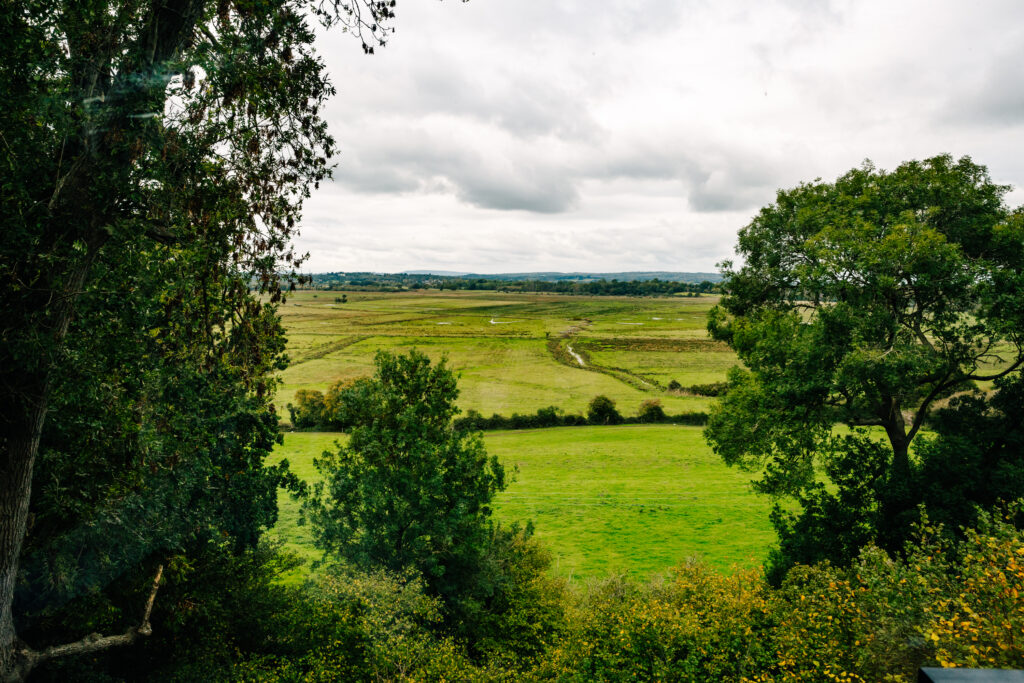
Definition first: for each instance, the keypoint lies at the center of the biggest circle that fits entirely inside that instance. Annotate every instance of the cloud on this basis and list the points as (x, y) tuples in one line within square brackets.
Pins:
[(997, 98), (482, 167), (492, 136)]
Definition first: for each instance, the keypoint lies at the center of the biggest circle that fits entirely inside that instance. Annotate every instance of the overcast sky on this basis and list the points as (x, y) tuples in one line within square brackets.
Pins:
[(613, 135)]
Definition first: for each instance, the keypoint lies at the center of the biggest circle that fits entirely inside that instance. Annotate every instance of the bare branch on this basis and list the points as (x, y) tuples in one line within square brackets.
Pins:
[(93, 642)]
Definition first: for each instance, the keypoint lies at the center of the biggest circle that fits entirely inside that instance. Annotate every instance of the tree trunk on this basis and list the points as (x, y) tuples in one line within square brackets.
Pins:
[(897, 496), (25, 404), (896, 430), (15, 493)]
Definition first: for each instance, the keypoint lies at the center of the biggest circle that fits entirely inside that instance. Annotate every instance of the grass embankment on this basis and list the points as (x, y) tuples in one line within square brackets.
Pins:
[(636, 498)]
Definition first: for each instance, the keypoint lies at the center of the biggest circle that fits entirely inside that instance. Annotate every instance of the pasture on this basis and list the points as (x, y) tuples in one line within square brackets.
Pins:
[(636, 498), (514, 352), (603, 499)]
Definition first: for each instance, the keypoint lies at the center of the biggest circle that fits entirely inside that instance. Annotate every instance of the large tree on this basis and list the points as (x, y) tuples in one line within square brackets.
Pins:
[(867, 301), (140, 131), (408, 490)]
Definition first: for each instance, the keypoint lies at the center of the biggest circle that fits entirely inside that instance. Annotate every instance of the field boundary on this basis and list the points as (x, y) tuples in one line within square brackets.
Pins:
[(562, 355), (329, 348)]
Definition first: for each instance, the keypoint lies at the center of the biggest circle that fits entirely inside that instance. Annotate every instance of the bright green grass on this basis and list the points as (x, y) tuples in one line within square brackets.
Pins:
[(498, 345), (688, 369), (636, 498), (496, 375)]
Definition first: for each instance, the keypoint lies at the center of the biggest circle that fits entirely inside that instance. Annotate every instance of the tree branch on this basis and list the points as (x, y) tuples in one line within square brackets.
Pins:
[(93, 642), (925, 407), (985, 378)]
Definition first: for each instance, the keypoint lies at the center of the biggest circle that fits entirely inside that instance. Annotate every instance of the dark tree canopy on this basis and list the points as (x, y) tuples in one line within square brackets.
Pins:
[(866, 301), (153, 163), (408, 490)]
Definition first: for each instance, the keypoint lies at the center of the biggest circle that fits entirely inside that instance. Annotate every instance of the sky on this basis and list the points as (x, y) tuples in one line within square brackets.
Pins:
[(616, 135)]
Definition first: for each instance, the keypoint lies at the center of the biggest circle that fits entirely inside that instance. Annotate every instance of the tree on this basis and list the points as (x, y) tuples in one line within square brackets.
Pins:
[(865, 301), (178, 132), (601, 411), (408, 490), (651, 411)]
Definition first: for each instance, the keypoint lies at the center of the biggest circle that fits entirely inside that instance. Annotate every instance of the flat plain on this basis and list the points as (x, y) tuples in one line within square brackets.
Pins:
[(514, 352), (636, 498)]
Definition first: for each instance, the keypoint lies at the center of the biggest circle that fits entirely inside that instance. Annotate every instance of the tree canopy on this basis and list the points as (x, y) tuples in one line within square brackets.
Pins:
[(866, 301), (155, 157), (408, 490)]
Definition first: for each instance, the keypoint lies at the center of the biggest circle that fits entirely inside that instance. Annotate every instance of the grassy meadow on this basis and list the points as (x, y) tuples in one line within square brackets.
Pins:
[(603, 499), (501, 345), (636, 498)]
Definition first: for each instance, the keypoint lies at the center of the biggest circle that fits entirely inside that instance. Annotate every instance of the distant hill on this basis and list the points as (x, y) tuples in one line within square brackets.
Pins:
[(549, 276)]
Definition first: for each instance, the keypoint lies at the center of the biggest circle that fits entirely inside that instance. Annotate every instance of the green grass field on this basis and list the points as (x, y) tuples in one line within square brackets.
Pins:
[(637, 498), (603, 499), (499, 344)]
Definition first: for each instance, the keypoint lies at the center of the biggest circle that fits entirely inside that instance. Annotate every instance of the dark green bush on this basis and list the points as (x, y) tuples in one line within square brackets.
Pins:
[(601, 411), (309, 410), (651, 411), (712, 389)]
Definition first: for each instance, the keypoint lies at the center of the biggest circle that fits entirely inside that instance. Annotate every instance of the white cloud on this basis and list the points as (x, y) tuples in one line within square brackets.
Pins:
[(634, 134)]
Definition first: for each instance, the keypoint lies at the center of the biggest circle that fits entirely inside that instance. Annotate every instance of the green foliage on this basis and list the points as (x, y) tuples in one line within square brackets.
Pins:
[(975, 460), (541, 282), (601, 411), (313, 411), (879, 619), (407, 490), (156, 438), (544, 417), (882, 618), (515, 608), (863, 301), (694, 625), (155, 161), (309, 409), (651, 411), (711, 389), (356, 626)]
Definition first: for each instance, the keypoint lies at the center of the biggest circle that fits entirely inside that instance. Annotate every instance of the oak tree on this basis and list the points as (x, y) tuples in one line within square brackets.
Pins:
[(866, 301)]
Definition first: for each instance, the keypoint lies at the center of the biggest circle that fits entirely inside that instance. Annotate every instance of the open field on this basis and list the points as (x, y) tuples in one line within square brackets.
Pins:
[(514, 352), (604, 499)]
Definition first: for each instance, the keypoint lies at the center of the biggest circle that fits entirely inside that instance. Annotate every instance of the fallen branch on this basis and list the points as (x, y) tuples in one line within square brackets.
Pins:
[(94, 642)]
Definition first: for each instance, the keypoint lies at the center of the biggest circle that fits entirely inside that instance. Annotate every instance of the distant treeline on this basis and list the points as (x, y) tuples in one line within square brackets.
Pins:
[(553, 417), (395, 282), (314, 411)]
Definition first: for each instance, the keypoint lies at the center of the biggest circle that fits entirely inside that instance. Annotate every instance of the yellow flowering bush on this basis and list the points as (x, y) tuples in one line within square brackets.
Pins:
[(877, 620), (693, 624)]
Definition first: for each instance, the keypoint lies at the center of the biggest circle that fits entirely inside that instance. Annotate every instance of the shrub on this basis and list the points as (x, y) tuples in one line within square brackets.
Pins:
[(651, 411), (351, 625), (712, 389), (675, 386), (309, 410), (516, 608), (601, 411), (694, 625)]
